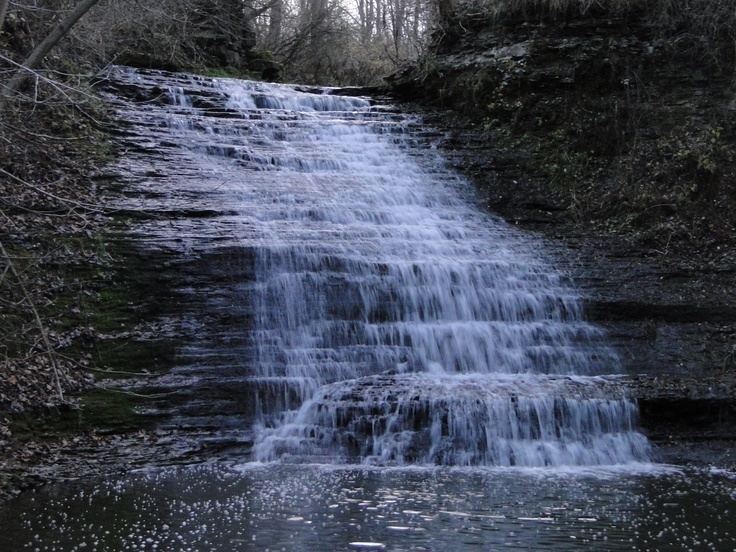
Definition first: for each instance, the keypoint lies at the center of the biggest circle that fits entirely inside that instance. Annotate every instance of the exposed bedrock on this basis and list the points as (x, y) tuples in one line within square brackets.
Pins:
[(539, 113), (611, 135), (475, 419)]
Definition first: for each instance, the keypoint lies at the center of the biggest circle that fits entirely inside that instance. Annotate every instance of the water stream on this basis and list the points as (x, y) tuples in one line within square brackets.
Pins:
[(393, 320), (387, 327), (372, 258)]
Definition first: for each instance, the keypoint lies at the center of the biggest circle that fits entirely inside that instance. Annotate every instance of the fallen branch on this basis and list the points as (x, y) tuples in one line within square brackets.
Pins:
[(133, 394), (53, 196), (121, 372), (103, 371)]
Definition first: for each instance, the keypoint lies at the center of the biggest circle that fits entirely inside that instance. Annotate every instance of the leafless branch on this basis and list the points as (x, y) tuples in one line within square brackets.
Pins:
[(41, 326)]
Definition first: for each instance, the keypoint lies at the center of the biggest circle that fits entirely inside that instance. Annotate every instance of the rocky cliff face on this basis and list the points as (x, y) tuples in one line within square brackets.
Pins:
[(612, 135), (612, 118)]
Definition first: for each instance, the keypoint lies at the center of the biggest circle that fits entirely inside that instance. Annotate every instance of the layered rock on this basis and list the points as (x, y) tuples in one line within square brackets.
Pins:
[(599, 130), (611, 133)]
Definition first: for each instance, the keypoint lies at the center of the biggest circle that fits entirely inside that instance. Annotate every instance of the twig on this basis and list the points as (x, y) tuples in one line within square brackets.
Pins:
[(41, 327), (12, 223), (2, 277), (44, 136), (7, 93), (133, 394), (54, 196), (103, 371)]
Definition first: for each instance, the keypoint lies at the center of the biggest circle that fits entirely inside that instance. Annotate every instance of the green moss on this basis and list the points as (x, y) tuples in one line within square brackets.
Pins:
[(99, 410), (110, 410), (48, 424), (265, 55), (119, 359)]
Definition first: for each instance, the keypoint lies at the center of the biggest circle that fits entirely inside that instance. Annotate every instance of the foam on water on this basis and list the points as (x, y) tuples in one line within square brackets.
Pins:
[(327, 508), (398, 321), (463, 420)]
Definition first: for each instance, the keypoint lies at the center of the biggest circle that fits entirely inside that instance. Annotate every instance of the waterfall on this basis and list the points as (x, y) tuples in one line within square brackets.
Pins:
[(394, 320)]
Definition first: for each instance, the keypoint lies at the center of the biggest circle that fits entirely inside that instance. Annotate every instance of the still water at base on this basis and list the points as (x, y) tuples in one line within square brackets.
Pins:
[(297, 507)]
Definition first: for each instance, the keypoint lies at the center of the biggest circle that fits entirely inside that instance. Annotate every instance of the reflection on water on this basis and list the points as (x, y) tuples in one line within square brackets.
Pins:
[(283, 507)]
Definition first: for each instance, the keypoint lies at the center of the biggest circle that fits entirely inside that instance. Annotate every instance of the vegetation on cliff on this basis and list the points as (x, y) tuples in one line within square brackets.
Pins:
[(617, 113), (50, 215)]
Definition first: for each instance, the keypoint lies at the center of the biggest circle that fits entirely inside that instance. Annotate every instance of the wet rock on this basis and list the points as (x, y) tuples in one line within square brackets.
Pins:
[(523, 99)]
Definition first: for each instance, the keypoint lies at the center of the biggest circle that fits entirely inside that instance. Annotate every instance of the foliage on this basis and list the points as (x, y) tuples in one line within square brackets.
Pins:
[(699, 151), (320, 41)]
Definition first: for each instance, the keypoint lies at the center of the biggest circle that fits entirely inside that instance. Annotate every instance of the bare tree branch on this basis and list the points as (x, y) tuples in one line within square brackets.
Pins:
[(41, 327), (48, 44)]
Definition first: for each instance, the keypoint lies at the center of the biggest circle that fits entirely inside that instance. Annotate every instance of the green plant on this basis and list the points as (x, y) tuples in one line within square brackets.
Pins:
[(704, 150)]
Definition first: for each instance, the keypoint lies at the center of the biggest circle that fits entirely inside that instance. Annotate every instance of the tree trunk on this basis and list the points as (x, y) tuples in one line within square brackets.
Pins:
[(415, 28), (276, 16), (244, 13), (446, 9), (364, 36), (370, 19), (48, 44), (3, 12)]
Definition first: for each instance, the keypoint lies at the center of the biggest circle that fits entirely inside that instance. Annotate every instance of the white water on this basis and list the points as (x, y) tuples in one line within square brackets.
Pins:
[(401, 323)]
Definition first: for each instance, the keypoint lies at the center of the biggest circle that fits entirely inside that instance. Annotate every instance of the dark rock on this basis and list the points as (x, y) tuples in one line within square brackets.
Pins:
[(526, 103), (271, 74), (147, 60), (543, 111)]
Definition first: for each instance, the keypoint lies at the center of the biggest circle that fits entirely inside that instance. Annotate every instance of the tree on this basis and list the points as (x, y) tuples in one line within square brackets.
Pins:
[(446, 10), (223, 31), (44, 48), (276, 18), (3, 12)]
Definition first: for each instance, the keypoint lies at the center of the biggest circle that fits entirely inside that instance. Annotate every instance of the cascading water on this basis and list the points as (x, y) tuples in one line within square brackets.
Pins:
[(394, 321)]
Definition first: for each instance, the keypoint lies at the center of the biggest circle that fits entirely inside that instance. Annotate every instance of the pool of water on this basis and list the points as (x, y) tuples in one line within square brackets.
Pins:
[(314, 507), (359, 305)]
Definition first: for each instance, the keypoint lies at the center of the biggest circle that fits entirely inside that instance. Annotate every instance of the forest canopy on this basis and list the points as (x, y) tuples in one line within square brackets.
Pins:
[(314, 41)]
